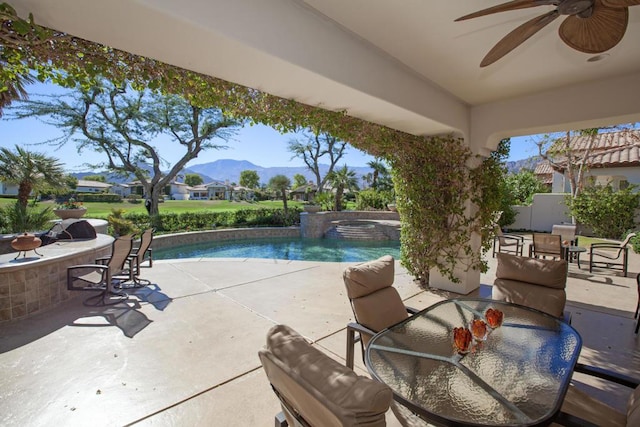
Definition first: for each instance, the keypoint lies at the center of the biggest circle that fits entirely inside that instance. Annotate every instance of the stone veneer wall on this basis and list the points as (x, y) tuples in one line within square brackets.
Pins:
[(314, 225), (177, 239), (27, 288)]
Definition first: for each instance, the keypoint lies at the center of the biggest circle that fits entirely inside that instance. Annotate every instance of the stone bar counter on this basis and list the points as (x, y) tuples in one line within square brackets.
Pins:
[(31, 284)]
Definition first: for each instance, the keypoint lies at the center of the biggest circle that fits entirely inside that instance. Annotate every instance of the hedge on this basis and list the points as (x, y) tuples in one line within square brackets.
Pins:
[(207, 220)]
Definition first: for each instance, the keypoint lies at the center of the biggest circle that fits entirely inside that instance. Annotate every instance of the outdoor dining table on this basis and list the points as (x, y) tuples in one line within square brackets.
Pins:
[(517, 376)]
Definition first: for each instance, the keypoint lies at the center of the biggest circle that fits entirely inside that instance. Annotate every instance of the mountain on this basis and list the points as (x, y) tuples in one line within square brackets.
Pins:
[(528, 163), (227, 169)]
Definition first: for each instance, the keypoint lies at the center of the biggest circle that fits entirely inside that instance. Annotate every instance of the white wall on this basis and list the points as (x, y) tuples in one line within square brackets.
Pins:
[(547, 209)]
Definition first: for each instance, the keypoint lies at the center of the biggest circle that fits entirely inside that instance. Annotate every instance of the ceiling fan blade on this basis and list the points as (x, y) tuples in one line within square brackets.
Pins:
[(518, 36), (511, 5), (598, 33), (620, 3)]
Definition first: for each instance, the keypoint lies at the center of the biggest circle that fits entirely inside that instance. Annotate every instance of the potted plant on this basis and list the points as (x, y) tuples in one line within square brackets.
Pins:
[(70, 209)]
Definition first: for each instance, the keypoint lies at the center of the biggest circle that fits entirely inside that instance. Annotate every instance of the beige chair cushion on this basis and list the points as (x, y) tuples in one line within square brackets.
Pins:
[(633, 408), (548, 300), (376, 303), (368, 277), (543, 272), (323, 391), (379, 310)]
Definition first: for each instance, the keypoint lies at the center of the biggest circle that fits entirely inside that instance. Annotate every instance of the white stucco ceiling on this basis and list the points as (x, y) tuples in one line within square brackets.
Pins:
[(404, 64)]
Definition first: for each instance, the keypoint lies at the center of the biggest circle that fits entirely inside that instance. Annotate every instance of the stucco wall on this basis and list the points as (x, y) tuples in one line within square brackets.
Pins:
[(547, 209)]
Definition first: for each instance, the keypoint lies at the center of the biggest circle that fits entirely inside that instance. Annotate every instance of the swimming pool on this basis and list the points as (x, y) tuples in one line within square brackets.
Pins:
[(295, 249)]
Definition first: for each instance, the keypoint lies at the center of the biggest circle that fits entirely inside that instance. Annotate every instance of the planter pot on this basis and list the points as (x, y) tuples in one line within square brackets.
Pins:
[(70, 213), (312, 208)]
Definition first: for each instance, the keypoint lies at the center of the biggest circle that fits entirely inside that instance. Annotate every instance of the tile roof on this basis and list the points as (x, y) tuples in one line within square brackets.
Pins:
[(613, 149), (543, 168)]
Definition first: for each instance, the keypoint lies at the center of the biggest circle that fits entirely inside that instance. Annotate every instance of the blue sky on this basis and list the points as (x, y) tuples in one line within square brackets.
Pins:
[(259, 144)]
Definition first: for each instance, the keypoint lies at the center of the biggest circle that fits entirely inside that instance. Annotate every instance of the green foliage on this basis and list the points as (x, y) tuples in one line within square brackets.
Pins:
[(435, 190), (207, 220), (324, 200), (134, 198), (371, 199), (299, 180), (100, 197), (341, 180), (609, 213), (31, 171), (120, 226), (522, 186), (16, 218), (249, 179), (98, 178), (72, 182), (193, 179)]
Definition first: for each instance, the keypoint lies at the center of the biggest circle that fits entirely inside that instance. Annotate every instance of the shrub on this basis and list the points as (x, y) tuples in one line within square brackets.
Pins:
[(99, 197), (522, 186), (609, 213), (373, 199), (134, 198), (18, 219), (120, 226), (207, 220)]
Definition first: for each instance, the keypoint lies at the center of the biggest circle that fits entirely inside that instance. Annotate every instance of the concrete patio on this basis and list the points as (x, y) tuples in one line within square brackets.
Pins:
[(184, 350)]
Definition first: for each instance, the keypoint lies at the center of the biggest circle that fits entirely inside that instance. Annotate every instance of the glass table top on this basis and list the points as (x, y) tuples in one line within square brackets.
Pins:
[(517, 376)]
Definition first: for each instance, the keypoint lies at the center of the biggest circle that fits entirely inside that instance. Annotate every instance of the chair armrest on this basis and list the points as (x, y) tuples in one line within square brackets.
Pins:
[(359, 328), (606, 245), (615, 377), (412, 310), (95, 266), (513, 236)]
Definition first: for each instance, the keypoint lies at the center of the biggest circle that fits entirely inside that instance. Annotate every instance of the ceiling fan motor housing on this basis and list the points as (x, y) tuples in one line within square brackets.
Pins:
[(576, 7)]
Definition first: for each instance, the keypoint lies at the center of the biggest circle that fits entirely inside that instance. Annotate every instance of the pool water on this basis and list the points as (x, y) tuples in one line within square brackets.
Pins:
[(295, 249)]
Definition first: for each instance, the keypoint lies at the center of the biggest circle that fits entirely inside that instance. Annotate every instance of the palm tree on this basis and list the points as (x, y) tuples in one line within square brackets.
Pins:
[(31, 171), (15, 88), (379, 169), (342, 179), (281, 183)]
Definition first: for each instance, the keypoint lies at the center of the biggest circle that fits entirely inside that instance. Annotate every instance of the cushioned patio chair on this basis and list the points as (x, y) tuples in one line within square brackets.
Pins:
[(610, 255), (376, 304), (315, 390), (580, 409), (535, 283), (103, 277), (546, 245)]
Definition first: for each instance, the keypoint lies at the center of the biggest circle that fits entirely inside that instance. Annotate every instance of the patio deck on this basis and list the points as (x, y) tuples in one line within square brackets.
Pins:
[(184, 351)]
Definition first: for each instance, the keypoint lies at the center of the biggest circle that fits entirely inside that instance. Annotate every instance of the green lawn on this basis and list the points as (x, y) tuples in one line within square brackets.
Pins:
[(102, 210)]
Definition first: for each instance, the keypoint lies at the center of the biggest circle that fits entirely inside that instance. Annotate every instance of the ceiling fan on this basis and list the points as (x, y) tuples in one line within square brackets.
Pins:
[(591, 26)]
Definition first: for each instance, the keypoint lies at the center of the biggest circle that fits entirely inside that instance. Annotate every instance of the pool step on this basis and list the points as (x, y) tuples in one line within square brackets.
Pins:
[(355, 232)]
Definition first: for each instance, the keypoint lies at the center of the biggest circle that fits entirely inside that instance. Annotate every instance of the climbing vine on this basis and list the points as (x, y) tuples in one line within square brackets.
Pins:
[(443, 195)]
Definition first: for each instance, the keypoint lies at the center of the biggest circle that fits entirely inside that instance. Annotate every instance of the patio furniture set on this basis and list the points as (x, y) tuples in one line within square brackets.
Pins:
[(504, 361), (110, 276), (562, 243)]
